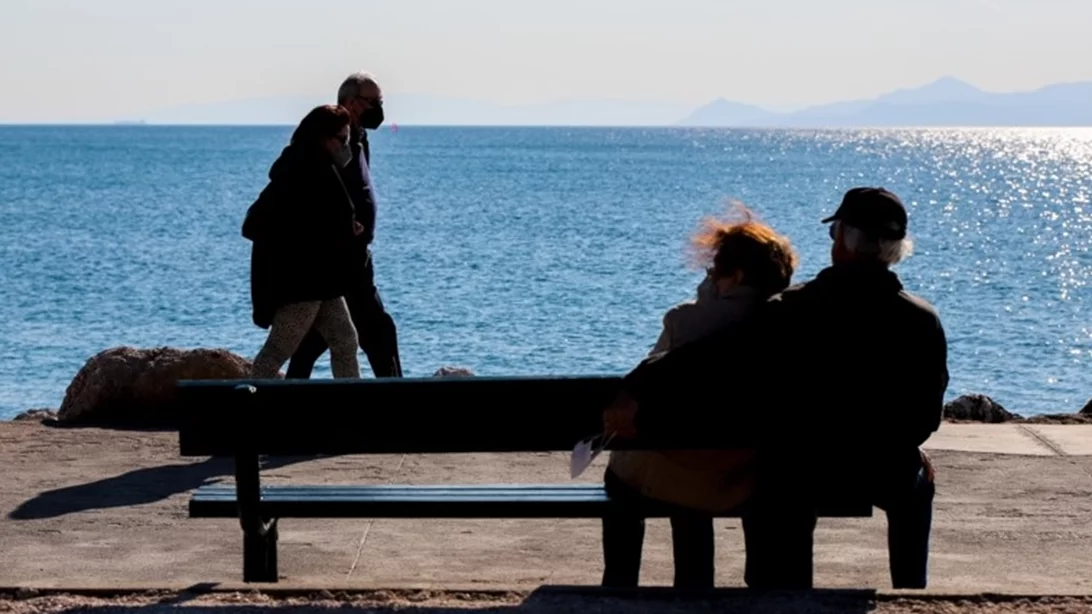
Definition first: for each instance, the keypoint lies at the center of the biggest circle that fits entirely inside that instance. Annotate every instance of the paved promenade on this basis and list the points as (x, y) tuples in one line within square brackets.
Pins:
[(85, 508)]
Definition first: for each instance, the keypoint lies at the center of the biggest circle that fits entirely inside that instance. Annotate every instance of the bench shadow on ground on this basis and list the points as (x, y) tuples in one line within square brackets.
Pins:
[(545, 599), (137, 487), (127, 426)]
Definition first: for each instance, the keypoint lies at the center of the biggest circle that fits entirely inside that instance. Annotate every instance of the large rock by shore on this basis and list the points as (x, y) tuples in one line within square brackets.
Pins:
[(453, 372), (131, 387), (981, 408), (36, 415), (136, 387), (978, 408)]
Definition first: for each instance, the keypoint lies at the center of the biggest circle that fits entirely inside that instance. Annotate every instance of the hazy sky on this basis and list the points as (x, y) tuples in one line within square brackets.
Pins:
[(78, 60)]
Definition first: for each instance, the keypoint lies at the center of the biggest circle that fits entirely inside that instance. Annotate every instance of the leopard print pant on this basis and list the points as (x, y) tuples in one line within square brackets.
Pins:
[(290, 325)]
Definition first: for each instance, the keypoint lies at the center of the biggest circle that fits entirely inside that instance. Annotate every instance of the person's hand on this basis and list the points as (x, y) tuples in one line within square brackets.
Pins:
[(620, 417), (930, 473), (358, 228)]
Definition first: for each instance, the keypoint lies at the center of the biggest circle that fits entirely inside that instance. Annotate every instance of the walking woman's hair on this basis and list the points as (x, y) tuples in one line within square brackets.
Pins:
[(740, 242), (323, 122)]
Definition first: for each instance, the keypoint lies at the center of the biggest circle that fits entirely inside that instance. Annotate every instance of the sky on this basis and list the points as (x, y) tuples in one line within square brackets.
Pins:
[(102, 60)]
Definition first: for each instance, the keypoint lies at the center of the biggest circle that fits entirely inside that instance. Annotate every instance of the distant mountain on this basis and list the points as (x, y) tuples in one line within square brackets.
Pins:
[(427, 110), (725, 112), (945, 102), (407, 109), (287, 110), (945, 89)]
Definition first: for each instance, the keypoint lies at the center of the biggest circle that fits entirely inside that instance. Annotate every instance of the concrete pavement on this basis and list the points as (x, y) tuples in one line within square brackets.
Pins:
[(85, 508)]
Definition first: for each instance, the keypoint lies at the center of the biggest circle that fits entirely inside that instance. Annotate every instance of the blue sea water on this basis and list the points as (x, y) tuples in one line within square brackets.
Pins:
[(540, 250)]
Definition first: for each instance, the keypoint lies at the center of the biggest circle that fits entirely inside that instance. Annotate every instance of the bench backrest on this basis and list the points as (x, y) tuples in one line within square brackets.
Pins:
[(396, 415)]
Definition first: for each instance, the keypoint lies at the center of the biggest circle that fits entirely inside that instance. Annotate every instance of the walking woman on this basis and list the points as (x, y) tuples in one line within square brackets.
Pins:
[(302, 226)]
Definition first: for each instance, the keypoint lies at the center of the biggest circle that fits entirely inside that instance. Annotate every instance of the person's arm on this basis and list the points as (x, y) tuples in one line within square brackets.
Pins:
[(264, 217), (667, 336), (364, 195), (934, 376), (618, 418), (909, 416), (676, 369), (705, 386), (254, 222)]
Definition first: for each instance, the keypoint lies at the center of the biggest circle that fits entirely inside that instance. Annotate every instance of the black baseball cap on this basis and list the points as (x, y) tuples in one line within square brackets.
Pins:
[(874, 210)]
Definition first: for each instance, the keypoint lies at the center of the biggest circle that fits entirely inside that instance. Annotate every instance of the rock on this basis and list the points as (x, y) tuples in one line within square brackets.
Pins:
[(453, 372), (978, 408), (1059, 419), (24, 593), (1087, 409), (133, 387), (36, 415)]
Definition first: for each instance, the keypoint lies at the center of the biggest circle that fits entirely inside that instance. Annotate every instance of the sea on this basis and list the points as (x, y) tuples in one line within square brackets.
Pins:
[(541, 250)]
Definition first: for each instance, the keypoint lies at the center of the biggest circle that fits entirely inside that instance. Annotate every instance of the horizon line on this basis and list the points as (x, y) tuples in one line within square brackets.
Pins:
[(386, 128)]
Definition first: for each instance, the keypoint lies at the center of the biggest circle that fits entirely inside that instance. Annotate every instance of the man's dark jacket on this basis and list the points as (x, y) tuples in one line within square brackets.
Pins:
[(360, 191), (841, 376)]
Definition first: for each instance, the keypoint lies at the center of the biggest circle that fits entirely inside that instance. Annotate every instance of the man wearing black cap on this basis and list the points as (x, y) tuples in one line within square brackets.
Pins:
[(839, 385)]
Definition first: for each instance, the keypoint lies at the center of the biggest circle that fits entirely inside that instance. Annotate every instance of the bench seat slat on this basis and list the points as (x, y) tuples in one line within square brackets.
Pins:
[(395, 489), (436, 501)]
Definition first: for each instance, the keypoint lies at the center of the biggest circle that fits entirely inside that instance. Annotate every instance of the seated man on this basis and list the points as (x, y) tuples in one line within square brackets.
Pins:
[(839, 384)]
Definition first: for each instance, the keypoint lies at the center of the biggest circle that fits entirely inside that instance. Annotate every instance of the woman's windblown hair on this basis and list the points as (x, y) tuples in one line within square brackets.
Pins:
[(740, 242)]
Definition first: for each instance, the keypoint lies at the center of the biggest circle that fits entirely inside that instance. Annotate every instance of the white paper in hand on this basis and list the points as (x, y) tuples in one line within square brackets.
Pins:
[(584, 454), (581, 458)]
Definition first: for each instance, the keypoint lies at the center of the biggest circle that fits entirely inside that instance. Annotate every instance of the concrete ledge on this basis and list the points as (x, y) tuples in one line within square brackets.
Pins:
[(989, 438), (1070, 439)]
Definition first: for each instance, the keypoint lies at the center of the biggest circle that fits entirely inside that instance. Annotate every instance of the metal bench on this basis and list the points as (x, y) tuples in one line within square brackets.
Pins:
[(246, 419)]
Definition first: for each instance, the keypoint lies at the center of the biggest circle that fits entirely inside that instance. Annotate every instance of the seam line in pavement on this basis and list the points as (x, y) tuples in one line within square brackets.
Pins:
[(1073, 460), (1042, 439), (368, 527)]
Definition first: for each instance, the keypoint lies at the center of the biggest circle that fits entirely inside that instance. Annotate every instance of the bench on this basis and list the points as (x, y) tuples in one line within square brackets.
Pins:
[(247, 419)]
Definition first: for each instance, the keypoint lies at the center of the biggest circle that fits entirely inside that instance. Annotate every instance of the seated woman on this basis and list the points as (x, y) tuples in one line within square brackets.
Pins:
[(748, 262), (302, 226)]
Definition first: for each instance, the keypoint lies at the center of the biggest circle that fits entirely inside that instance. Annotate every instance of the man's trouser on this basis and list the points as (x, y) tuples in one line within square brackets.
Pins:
[(779, 526)]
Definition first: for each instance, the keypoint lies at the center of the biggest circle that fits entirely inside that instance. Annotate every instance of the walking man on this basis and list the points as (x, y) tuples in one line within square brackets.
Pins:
[(361, 95)]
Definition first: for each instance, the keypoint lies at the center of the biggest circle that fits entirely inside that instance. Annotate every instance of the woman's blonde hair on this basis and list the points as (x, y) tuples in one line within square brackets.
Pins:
[(741, 242)]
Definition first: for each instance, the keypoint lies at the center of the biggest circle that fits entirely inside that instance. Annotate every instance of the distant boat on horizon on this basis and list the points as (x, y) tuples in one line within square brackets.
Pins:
[(130, 122)]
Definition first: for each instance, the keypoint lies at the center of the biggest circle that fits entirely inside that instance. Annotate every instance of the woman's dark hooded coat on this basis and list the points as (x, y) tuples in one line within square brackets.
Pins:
[(301, 227)]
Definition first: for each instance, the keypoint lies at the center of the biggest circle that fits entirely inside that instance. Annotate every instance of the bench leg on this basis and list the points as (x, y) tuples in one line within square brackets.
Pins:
[(260, 554), (259, 534)]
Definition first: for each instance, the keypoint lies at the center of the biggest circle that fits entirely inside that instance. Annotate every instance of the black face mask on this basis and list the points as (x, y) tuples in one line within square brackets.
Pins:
[(372, 118)]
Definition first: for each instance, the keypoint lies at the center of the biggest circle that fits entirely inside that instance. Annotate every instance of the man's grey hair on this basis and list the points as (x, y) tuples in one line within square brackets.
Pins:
[(888, 251), (351, 86)]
